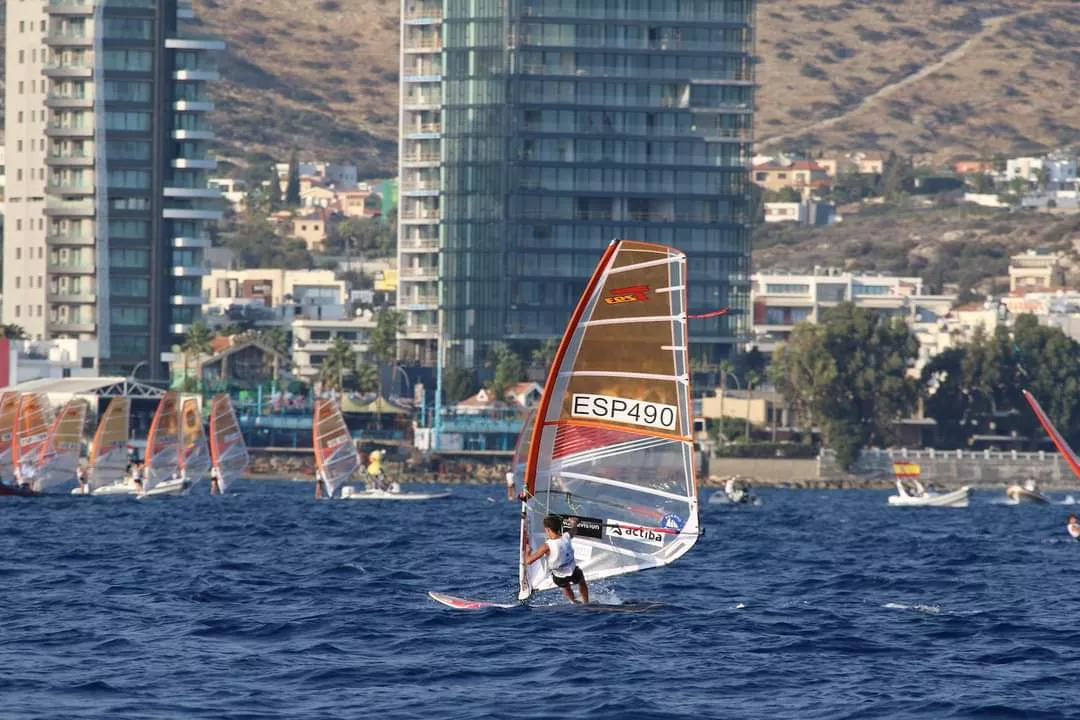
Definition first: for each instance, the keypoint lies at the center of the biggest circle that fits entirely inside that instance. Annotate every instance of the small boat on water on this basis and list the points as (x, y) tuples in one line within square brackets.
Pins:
[(393, 492), (911, 493), (163, 450), (228, 451), (1026, 494), (734, 493)]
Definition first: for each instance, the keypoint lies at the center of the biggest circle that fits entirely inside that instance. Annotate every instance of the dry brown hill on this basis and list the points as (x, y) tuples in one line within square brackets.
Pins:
[(935, 77)]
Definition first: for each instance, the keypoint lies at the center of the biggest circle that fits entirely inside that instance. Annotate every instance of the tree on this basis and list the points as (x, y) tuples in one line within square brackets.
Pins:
[(292, 182), (544, 355), (458, 383), (803, 371), (786, 195), (340, 360), (726, 367), (383, 343), (366, 237), (256, 244), (13, 332), (366, 376), (196, 343), (509, 369)]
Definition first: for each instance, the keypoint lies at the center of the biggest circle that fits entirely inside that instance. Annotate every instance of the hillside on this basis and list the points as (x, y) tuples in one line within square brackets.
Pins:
[(935, 77), (940, 78), (967, 246)]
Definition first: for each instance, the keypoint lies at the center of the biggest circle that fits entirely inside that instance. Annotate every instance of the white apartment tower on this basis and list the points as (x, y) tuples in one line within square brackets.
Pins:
[(108, 159)]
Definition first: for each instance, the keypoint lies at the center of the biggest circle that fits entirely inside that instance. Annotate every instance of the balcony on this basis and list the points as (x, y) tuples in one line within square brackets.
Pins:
[(422, 45), (423, 15), (418, 244), (71, 298), (184, 134), (186, 300), (192, 214), (72, 268), (195, 163), (68, 70), (58, 101), (420, 273), (70, 160), (425, 159), (191, 242), (422, 330), (70, 240), (179, 328), (54, 129), (422, 101), (205, 193), (421, 302), (70, 8), (423, 131), (192, 42), (68, 38), (69, 208), (72, 325), (202, 106), (209, 74), (421, 215), (69, 189), (190, 271), (421, 188)]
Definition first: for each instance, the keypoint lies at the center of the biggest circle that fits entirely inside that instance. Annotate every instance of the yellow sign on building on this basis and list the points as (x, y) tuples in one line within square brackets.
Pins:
[(386, 280)]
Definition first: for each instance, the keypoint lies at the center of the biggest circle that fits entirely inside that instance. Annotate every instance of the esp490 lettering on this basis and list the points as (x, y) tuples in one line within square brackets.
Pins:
[(623, 410)]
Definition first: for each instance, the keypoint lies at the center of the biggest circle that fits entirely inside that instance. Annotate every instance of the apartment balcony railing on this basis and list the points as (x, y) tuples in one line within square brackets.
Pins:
[(70, 159), (577, 10), (70, 297), (420, 159), (419, 244), (421, 329), (70, 7), (424, 13), (692, 76), (422, 101), (69, 239), (422, 300), (71, 208), (419, 214), (422, 44), (72, 268), (421, 184), (69, 70), (425, 128), (419, 272), (70, 188)]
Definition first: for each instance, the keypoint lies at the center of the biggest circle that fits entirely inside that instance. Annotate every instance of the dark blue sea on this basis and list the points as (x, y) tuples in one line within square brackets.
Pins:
[(266, 604)]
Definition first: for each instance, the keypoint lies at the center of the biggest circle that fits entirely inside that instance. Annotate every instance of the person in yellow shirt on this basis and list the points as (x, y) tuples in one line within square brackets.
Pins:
[(375, 476)]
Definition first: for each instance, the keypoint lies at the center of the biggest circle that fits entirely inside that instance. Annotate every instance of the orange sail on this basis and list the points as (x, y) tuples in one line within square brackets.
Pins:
[(163, 442), (31, 431), (194, 452), (59, 455), (335, 452), (1059, 440), (227, 447), (611, 450), (109, 450), (9, 406)]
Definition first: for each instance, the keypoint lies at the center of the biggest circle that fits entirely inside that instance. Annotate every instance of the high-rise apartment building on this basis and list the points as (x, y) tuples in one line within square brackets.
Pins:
[(107, 151), (535, 131)]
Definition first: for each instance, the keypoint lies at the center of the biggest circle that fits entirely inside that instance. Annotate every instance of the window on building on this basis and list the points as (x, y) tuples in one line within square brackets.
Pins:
[(130, 229), (127, 28), (860, 289), (87, 363), (129, 344), (138, 179), (129, 203), (135, 287), (130, 258), (127, 121), (130, 60), (18, 282), (123, 316), (786, 289), (131, 91)]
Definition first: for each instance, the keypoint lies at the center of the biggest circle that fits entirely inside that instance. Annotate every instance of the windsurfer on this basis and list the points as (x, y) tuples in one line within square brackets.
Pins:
[(510, 486), (1073, 526), (215, 489), (80, 475), (320, 480), (136, 476), (375, 475), (560, 551)]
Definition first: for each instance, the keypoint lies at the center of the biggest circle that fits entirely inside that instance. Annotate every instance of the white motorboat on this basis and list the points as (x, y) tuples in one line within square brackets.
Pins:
[(913, 494), (1026, 494), (169, 487), (127, 487), (394, 492)]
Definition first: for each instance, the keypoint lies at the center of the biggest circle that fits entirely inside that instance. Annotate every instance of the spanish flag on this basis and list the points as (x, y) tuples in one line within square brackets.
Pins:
[(906, 470)]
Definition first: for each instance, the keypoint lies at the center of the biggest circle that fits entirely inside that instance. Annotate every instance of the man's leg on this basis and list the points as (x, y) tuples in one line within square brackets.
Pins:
[(569, 592), (583, 588)]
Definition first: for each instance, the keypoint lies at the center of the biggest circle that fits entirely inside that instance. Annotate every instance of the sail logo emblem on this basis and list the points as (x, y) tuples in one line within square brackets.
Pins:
[(616, 529), (633, 293)]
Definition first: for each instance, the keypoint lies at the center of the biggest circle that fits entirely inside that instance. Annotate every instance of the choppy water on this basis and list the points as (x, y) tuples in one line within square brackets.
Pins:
[(265, 604)]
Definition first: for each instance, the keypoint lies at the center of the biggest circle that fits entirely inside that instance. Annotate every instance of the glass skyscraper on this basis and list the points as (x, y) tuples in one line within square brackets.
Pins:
[(535, 131)]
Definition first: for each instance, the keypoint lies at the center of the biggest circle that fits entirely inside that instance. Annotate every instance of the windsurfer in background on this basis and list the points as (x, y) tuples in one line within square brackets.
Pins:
[(320, 480), (374, 470), (137, 477), (560, 551), (80, 475), (510, 486), (1073, 526), (215, 489)]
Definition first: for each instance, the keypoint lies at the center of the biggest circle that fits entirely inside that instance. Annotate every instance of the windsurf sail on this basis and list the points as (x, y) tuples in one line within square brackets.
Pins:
[(31, 431), (194, 451), (9, 406), (163, 442), (335, 452), (1059, 440), (611, 449), (227, 446), (109, 450), (58, 457)]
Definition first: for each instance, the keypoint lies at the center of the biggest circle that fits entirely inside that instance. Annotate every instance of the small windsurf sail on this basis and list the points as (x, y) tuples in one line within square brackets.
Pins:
[(1058, 439), (59, 455), (163, 442), (611, 450), (335, 452), (9, 406), (31, 431), (227, 446), (109, 450), (194, 450)]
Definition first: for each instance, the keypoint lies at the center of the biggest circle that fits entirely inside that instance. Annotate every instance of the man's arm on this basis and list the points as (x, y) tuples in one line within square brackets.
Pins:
[(536, 554)]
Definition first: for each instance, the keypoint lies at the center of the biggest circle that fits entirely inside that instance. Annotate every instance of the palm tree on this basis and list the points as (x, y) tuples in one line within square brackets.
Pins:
[(340, 359), (196, 343), (726, 367), (752, 379), (275, 339), (13, 332)]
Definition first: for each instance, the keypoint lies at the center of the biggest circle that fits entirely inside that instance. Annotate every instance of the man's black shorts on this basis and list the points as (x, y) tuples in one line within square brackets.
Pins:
[(575, 578)]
